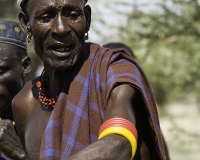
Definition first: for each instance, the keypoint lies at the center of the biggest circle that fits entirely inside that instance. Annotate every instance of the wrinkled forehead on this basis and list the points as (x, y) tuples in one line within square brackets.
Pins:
[(8, 51), (38, 6), (7, 48), (21, 3)]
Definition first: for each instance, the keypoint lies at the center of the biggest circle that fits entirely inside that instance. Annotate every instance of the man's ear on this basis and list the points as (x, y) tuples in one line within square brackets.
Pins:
[(87, 11), (26, 66), (24, 23)]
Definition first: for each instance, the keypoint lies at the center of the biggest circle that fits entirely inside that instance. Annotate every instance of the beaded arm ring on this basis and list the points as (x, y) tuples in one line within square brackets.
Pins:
[(122, 127), (42, 91)]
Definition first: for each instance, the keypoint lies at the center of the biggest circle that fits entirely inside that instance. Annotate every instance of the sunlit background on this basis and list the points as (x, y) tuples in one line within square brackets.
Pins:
[(165, 37)]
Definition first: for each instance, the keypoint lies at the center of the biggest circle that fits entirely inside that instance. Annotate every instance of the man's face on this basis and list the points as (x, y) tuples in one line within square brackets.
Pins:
[(11, 81), (58, 28)]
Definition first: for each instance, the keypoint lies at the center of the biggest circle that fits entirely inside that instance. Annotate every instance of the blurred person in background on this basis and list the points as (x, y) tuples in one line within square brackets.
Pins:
[(114, 45), (14, 67)]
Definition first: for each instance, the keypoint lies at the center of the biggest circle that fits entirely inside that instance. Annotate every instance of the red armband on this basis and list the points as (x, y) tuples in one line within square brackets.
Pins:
[(122, 127)]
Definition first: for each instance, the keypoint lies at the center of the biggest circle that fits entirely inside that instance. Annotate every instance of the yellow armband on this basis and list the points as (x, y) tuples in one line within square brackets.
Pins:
[(122, 127)]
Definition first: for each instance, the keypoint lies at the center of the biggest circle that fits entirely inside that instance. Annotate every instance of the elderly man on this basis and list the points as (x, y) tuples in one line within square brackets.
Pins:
[(89, 102), (14, 67)]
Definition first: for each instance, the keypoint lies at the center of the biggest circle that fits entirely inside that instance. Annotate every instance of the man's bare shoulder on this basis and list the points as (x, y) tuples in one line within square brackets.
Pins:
[(24, 101), (25, 96)]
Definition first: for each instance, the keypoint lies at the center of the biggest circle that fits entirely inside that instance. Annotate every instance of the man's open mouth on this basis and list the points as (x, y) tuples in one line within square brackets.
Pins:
[(61, 49)]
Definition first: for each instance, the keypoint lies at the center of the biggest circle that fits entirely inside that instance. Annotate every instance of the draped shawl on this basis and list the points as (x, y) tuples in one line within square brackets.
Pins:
[(81, 106)]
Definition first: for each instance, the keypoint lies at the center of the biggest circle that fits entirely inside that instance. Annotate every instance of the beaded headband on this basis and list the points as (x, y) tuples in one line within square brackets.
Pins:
[(11, 33)]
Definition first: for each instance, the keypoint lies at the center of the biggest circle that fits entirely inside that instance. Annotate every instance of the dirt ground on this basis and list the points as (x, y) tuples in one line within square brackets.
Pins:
[(180, 123)]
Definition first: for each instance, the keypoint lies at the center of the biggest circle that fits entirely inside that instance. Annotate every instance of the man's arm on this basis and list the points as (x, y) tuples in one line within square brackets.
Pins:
[(20, 113), (120, 104)]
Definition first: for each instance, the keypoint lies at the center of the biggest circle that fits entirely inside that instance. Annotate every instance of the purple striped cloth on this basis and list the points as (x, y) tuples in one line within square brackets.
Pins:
[(81, 106), (3, 157)]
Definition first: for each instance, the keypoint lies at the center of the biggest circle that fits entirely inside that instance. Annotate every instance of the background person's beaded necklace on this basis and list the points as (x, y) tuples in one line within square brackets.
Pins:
[(42, 91)]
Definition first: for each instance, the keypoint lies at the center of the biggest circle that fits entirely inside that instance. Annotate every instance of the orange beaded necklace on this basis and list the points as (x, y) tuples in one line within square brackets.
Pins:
[(42, 91)]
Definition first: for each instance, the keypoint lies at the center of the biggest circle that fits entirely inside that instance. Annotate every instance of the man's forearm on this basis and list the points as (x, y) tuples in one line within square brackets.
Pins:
[(114, 147)]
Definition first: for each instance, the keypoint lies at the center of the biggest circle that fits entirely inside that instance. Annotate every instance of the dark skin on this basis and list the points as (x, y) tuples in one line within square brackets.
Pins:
[(58, 28), (13, 70)]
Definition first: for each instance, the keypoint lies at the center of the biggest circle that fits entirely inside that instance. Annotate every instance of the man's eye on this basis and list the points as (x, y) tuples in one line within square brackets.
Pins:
[(47, 18), (3, 70), (72, 15)]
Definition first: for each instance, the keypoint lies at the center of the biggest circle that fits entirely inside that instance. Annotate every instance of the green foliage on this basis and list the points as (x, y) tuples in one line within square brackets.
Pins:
[(9, 9), (167, 45), (171, 41)]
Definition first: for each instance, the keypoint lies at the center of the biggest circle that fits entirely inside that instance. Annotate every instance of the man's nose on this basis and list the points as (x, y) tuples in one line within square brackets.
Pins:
[(60, 27)]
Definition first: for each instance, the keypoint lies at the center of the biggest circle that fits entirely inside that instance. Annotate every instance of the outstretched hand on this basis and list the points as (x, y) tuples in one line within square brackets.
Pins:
[(10, 144)]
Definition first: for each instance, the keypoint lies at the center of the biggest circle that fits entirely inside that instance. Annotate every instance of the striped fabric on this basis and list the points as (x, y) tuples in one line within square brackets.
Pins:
[(3, 157), (81, 106)]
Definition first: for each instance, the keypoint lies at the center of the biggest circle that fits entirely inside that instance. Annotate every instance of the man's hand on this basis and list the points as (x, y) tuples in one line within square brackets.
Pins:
[(10, 144)]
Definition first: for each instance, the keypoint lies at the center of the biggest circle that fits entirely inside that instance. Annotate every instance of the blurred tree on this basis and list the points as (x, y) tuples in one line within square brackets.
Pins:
[(166, 42), (9, 9), (104, 22)]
